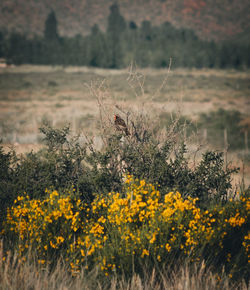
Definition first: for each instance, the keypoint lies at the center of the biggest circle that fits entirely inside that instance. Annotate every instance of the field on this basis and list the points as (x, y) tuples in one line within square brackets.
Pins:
[(30, 95), (135, 208)]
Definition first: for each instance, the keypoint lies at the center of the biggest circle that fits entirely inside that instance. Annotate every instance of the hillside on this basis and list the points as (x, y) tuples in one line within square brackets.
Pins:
[(210, 19)]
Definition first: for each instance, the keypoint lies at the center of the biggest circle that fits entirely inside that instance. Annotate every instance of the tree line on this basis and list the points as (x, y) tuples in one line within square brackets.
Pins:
[(122, 43)]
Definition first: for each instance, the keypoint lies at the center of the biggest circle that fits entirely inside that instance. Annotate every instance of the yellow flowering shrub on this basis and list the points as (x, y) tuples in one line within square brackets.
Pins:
[(44, 225), (138, 225)]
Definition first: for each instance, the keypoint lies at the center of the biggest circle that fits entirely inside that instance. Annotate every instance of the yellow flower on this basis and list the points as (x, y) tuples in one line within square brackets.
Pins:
[(145, 252), (53, 245), (168, 247), (59, 240), (152, 240), (41, 261)]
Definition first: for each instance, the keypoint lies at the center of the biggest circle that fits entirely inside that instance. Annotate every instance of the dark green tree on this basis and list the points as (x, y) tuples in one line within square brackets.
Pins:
[(74, 50), (18, 49), (2, 42), (97, 50), (130, 43), (36, 45), (145, 47), (52, 47), (116, 27), (50, 31)]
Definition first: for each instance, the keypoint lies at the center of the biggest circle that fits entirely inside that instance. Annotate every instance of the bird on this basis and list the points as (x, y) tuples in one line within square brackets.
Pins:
[(121, 125)]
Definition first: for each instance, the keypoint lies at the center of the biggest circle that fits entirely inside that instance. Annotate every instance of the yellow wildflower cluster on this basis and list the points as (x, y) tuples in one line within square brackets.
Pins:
[(118, 229), (44, 224)]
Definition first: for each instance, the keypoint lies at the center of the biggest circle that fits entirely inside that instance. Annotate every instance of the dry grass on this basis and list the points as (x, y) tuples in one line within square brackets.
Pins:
[(29, 94), (26, 275)]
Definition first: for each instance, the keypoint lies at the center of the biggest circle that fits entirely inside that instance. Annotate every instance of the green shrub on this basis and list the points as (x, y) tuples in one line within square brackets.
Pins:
[(7, 187), (145, 154)]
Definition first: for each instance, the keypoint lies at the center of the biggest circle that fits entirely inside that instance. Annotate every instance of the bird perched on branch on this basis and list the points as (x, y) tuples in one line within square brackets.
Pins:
[(121, 125)]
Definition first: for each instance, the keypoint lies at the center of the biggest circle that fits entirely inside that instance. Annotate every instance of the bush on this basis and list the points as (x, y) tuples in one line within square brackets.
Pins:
[(124, 231), (7, 188), (145, 153), (160, 158)]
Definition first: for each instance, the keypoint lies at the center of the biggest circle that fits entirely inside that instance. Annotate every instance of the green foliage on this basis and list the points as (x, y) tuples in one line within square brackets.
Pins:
[(210, 180), (64, 163), (54, 138), (96, 216), (57, 166), (7, 190)]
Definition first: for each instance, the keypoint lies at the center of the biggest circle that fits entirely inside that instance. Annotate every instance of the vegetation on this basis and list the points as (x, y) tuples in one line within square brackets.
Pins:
[(146, 155), (134, 212), (28, 275), (121, 44), (135, 202), (123, 232)]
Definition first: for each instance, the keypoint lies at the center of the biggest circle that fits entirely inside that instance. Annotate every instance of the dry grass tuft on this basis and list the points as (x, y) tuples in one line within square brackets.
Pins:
[(24, 275)]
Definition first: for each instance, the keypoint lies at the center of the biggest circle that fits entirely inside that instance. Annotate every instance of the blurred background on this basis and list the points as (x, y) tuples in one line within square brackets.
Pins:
[(101, 33)]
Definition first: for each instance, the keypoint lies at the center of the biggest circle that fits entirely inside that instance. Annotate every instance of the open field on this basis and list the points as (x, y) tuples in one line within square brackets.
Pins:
[(30, 95)]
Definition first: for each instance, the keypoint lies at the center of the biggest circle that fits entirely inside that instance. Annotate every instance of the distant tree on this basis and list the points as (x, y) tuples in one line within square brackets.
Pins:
[(2, 43), (115, 29), (18, 49), (74, 50), (121, 44), (146, 45), (52, 52), (130, 43), (132, 25), (97, 50), (245, 55), (36, 46), (164, 44), (50, 31), (146, 31), (116, 22)]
